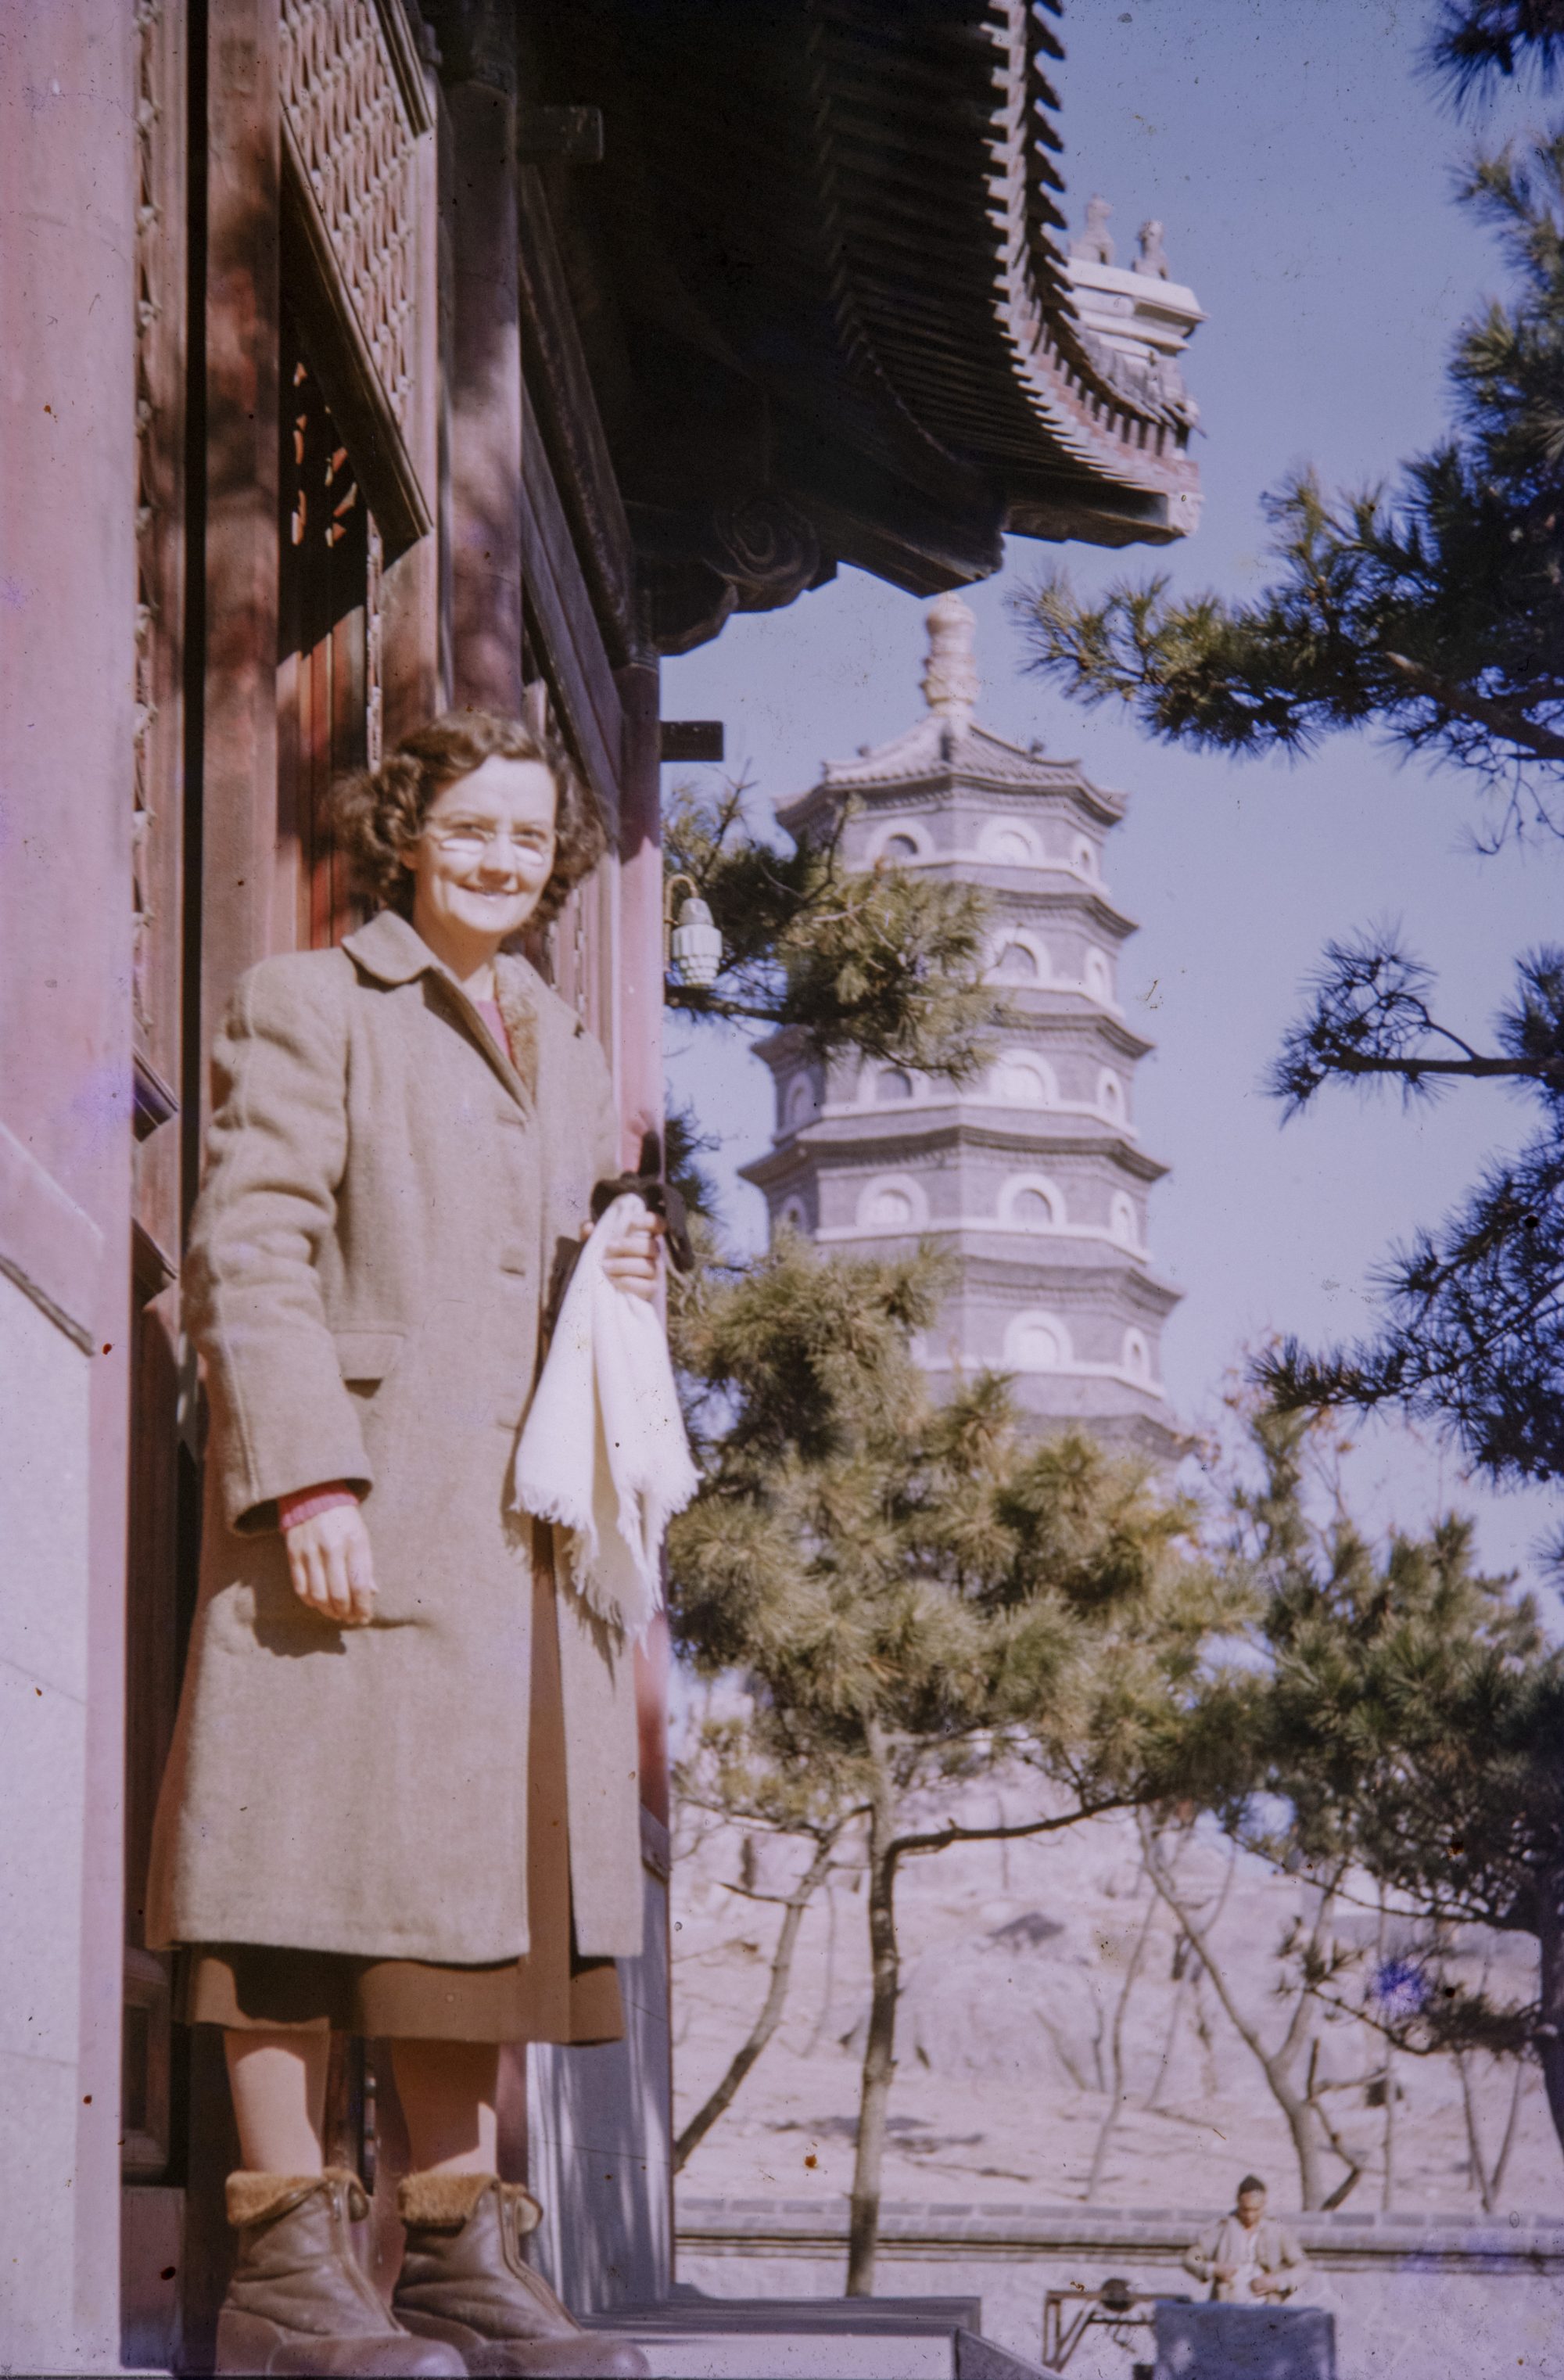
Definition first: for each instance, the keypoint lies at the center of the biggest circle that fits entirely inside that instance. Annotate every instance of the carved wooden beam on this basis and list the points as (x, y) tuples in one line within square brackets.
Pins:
[(693, 739), (560, 384), (353, 110)]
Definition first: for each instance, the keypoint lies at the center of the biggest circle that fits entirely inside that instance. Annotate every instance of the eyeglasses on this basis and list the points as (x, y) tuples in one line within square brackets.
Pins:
[(463, 840)]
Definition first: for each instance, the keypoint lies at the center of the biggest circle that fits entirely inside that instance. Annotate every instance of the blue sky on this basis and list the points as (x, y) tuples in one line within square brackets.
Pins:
[(1302, 170)]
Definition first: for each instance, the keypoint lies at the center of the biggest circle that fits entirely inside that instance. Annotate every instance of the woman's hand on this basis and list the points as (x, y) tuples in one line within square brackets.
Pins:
[(630, 1260), (331, 1565)]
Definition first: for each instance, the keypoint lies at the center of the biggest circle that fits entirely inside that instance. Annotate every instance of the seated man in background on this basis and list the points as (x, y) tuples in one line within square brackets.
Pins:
[(1248, 2257)]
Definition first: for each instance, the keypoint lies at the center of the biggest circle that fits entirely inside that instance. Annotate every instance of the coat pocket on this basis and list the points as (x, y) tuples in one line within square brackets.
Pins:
[(367, 1355)]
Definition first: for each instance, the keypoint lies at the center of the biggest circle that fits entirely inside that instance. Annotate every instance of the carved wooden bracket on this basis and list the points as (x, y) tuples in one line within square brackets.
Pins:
[(567, 136), (751, 555)]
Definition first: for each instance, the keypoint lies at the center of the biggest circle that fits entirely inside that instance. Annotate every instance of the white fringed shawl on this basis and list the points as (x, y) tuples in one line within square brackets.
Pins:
[(604, 1454)]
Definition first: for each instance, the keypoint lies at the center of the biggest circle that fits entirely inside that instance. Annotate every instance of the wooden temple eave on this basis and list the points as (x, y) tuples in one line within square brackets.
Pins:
[(971, 195), (824, 309)]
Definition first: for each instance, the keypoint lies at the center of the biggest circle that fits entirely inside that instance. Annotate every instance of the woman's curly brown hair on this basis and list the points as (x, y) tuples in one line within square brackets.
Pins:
[(380, 813)]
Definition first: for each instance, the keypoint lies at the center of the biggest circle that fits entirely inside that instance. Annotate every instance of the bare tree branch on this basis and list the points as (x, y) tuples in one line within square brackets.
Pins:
[(770, 2015)]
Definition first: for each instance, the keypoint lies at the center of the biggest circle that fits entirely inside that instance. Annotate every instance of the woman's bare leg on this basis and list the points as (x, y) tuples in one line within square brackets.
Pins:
[(278, 2080), (448, 2091)]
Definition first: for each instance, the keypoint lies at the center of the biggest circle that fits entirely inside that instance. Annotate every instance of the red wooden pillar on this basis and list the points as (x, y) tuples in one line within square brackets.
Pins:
[(242, 918), (247, 905), (410, 590), (640, 898), (641, 1093), (484, 498), (485, 399)]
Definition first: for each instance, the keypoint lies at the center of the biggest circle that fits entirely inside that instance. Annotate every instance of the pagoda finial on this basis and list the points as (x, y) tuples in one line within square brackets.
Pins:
[(949, 676)]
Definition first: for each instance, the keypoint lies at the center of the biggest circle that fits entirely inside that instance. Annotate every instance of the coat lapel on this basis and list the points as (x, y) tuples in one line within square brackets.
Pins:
[(389, 949)]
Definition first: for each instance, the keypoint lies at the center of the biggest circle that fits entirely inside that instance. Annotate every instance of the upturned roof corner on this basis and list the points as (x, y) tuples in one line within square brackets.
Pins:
[(831, 318)]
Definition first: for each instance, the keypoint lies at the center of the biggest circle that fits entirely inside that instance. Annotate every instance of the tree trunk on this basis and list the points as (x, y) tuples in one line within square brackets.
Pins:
[(879, 2051), (1517, 2094), (828, 1996), (1476, 2163), (1116, 2073), (1301, 2123), (1487, 2181), (1388, 2192), (1550, 2013), (766, 2024), (1355, 2161), (1277, 2065)]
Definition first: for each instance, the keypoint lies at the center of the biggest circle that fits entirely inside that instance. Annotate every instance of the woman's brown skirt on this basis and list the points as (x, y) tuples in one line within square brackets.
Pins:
[(552, 1994)]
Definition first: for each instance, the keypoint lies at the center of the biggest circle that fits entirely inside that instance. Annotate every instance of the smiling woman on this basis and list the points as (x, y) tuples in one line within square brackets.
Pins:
[(433, 778), (420, 1822)]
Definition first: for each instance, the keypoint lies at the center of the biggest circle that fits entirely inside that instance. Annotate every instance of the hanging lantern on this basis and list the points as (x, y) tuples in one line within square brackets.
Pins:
[(695, 949)]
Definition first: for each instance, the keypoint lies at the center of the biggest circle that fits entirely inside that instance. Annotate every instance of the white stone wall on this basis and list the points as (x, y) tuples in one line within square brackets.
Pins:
[(1400, 2314)]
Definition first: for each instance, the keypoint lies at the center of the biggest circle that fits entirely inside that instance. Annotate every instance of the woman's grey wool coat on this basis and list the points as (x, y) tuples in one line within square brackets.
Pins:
[(384, 1201)]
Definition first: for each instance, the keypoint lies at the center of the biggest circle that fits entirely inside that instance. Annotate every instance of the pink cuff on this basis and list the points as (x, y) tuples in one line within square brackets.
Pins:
[(306, 1503)]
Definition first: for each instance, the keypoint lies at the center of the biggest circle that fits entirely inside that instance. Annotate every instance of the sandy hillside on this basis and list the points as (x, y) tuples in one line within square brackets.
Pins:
[(1016, 1958)]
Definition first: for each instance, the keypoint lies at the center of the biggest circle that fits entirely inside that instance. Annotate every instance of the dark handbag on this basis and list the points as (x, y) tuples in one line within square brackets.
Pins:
[(650, 1186), (655, 1193)]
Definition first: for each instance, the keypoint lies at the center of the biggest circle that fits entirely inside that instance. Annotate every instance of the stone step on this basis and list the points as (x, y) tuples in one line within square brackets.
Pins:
[(691, 2336)]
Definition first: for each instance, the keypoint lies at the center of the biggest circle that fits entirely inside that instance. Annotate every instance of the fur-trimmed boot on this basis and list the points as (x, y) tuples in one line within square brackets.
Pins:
[(465, 2280), (300, 2300)]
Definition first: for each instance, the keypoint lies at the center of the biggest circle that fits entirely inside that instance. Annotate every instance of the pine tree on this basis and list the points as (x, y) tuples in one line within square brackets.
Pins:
[(1412, 1728), (889, 963), (915, 1598), (1430, 612)]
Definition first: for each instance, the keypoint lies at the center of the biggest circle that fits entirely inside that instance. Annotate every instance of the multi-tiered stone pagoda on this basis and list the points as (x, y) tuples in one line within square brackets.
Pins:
[(1032, 1179)]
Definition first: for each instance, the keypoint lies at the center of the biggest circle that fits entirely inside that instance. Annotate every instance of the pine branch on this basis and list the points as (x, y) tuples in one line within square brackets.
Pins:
[(1200, 1939), (1506, 720), (941, 1839), (1478, 41), (695, 999), (1475, 1068)]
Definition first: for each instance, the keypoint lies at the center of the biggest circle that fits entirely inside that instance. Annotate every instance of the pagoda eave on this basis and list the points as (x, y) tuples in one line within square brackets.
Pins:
[(1054, 1004), (841, 781), (939, 1132), (1046, 1269), (1074, 899), (1143, 1428)]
